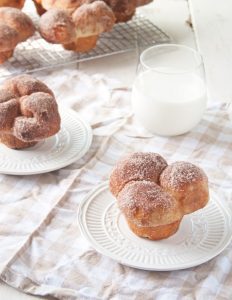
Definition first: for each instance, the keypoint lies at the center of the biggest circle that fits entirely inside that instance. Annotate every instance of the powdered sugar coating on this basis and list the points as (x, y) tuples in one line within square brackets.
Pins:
[(146, 204), (179, 174), (136, 166)]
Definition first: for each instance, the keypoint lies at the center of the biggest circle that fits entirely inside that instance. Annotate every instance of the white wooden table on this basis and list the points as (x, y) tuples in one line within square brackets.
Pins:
[(212, 24)]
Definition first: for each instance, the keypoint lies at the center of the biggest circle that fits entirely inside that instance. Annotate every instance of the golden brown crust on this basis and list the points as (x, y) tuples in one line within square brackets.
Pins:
[(136, 166), (12, 3), (187, 183), (78, 31), (145, 204), (12, 142), (56, 26), (157, 232), (15, 27), (123, 9), (83, 44), (28, 112)]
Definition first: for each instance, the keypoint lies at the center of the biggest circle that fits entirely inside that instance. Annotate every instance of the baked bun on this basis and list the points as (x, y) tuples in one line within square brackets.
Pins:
[(155, 233), (150, 212), (122, 9), (136, 166), (154, 197), (15, 27), (79, 30), (12, 3), (145, 203), (187, 183), (28, 112)]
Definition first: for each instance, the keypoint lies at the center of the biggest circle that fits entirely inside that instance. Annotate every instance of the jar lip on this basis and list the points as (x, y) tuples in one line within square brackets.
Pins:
[(195, 52)]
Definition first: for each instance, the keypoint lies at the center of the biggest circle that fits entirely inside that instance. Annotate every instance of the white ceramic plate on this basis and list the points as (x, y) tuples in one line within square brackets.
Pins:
[(202, 235), (68, 145)]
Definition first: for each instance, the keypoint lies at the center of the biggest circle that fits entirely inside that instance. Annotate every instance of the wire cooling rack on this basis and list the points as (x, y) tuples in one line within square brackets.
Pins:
[(36, 54)]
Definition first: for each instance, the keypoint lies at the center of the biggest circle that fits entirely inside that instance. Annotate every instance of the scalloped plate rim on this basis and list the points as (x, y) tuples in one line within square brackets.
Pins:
[(104, 186), (80, 154)]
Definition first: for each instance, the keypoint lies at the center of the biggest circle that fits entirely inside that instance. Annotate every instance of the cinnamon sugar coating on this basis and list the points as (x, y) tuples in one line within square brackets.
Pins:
[(28, 112), (39, 8), (146, 204), (56, 26), (136, 166), (15, 27), (122, 9), (156, 232), (77, 24), (187, 183), (142, 2)]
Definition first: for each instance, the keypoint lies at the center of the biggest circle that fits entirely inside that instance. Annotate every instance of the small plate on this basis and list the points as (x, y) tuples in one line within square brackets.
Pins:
[(202, 235), (68, 145)]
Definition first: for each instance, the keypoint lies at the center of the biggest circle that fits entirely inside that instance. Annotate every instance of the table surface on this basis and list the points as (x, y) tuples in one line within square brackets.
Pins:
[(210, 34)]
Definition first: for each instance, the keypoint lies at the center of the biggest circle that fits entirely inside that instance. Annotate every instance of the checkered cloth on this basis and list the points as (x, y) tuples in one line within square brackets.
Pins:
[(42, 251)]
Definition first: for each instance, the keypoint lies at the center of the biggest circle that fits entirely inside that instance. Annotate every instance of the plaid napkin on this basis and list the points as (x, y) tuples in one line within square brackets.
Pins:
[(42, 251)]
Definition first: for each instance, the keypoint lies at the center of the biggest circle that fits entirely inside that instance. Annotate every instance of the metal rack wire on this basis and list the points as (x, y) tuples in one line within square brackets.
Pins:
[(36, 54)]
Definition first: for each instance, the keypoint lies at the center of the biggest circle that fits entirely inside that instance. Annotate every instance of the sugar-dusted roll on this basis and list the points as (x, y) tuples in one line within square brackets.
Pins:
[(78, 30), (153, 196), (136, 166), (187, 183), (28, 112)]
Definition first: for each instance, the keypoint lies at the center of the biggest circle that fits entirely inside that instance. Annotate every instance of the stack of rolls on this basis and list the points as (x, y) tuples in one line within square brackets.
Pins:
[(154, 196)]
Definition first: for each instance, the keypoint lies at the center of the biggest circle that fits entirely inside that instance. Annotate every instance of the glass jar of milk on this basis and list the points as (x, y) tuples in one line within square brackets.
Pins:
[(169, 93)]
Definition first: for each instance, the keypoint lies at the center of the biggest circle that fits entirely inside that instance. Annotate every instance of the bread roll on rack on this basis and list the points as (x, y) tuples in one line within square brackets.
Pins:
[(79, 30), (153, 196)]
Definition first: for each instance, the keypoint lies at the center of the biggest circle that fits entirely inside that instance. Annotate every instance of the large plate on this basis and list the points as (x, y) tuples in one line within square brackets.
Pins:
[(67, 146), (202, 235)]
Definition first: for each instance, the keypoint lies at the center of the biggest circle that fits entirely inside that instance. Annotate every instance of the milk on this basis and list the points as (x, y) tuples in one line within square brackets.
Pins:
[(168, 104)]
